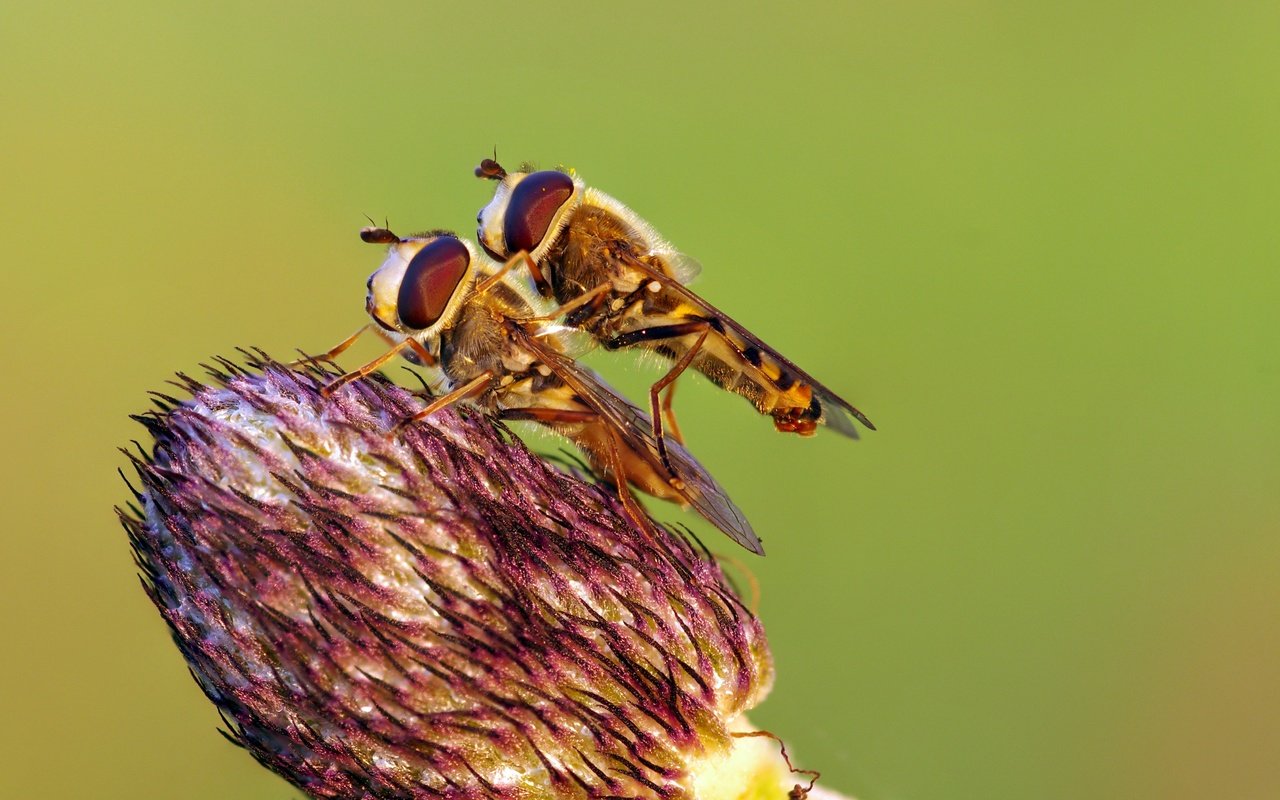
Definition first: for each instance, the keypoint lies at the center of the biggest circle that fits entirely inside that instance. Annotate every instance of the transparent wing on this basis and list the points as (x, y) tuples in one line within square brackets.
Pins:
[(633, 425), (685, 269), (842, 411)]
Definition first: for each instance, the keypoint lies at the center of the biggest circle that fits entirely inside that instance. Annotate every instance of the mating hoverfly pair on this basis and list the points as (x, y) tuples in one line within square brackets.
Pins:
[(558, 257)]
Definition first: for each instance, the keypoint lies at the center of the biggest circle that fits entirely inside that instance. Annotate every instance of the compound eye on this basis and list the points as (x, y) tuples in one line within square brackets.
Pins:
[(430, 281), (534, 203)]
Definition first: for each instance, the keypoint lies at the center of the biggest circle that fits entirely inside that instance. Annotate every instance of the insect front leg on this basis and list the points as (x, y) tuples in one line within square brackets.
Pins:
[(423, 354), (413, 344), (581, 300), (540, 281), (333, 352), (372, 366)]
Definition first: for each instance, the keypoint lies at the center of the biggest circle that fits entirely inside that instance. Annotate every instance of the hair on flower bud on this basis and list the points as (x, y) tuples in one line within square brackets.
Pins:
[(440, 613)]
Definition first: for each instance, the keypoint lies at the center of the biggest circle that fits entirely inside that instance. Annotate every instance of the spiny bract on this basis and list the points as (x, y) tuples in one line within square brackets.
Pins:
[(436, 612)]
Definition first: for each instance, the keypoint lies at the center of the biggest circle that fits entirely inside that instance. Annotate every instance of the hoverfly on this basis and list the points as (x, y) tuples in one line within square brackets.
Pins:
[(446, 305), (587, 248)]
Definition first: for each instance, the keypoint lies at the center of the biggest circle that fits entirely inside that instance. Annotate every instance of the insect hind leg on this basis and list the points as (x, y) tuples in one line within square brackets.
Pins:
[(658, 408), (669, 415), (668, 382), (613, 452)]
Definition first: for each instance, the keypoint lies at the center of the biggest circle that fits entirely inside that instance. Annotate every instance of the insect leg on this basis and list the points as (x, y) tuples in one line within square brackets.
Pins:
[(422, 352), (613, 451), (333, 352), (572, 305), (669, 415), (549, 415), (702, 328), (669, 380), (656, 333), (464, 391), (538, 279), (365, 370), (629, 503)]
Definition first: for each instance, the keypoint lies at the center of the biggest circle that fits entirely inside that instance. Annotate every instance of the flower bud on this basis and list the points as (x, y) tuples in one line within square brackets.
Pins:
[(436, 611)]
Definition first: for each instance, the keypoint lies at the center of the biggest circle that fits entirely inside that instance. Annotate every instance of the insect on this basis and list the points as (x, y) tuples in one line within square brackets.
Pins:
[(438, 299), (628, 284)]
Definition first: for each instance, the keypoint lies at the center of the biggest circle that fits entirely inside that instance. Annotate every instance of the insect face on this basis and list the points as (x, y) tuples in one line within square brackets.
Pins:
[(526, 212), (421, 284)]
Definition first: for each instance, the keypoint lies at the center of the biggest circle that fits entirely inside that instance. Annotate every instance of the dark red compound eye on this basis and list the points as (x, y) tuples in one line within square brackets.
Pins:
[(534, 203), (430, 281)]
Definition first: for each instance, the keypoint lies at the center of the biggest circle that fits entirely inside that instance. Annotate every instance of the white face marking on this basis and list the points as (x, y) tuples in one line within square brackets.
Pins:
[(384, 284), (383, 299), (491, 216)]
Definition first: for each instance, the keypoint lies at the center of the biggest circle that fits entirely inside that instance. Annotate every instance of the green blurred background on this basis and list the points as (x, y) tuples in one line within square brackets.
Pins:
[(1036, 244)]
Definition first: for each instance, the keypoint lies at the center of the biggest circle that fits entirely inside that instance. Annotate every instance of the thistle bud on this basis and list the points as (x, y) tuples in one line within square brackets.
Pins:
[(435, 611)]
